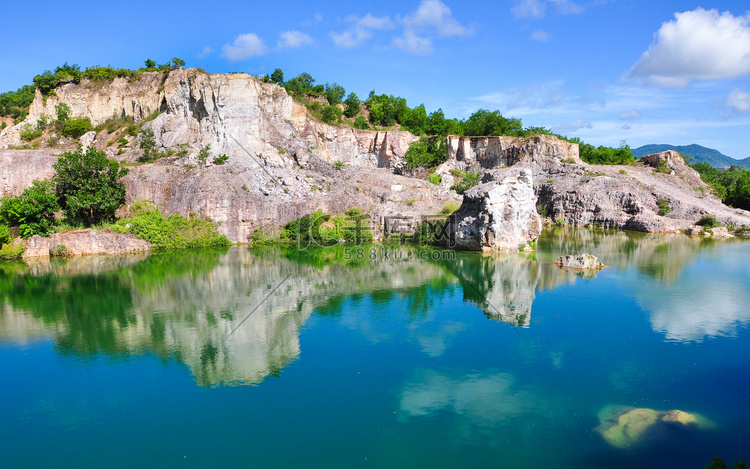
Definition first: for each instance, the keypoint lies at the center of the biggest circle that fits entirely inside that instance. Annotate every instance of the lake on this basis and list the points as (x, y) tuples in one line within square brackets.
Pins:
[(380, 356)]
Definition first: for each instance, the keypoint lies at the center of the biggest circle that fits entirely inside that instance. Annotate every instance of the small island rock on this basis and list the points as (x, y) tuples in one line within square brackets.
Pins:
[(579, 261)]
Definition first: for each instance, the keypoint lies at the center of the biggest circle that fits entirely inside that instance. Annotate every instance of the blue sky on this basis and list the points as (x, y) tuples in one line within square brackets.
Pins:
[(604, 70)]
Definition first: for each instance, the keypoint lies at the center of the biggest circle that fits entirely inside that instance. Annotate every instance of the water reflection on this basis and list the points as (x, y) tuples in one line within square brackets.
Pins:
[(183, 305)]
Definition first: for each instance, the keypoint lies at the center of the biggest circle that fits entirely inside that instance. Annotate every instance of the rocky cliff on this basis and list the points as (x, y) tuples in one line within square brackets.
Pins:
[(283, 163)]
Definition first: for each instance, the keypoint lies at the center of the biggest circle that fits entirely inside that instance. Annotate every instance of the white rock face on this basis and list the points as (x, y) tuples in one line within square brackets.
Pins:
[(498, 215), (579, 261)]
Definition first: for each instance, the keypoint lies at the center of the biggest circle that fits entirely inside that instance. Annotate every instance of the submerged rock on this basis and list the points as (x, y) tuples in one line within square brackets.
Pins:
[(579, 261), (499, 215), (625, 426)]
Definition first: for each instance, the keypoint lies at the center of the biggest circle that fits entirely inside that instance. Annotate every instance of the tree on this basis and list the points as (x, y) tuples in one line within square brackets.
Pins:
[(277, 77), (331, 114), (352, 105), (32, 211), (334, 93), (87, 186), (150, 64), (301, 84), (177, 62)]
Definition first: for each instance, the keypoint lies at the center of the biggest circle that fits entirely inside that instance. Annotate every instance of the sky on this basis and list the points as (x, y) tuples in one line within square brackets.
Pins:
[(607, 71)]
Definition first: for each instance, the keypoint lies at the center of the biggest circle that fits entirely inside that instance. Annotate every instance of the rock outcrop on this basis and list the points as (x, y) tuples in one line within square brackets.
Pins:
[(579, 261), (499, 215), (575, 193), (88, 241)]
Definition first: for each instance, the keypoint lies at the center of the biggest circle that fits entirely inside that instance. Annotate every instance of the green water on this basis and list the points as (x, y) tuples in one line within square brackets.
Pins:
[(381, 357)]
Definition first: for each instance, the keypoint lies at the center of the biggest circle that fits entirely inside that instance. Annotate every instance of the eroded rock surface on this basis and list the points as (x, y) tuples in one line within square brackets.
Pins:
[(499, 215), (627, 426), (87, 241)]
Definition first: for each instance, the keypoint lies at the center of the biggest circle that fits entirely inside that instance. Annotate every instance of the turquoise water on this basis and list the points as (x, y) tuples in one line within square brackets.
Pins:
[(271, 358)]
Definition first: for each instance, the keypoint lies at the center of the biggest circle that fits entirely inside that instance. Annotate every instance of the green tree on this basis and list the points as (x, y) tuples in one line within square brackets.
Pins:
[(88, 187), (150, 64), (277, 76), (351, 104), (427, 152), (147, 143), (301, 84), (334, 93), (177, 62), (32, 211)]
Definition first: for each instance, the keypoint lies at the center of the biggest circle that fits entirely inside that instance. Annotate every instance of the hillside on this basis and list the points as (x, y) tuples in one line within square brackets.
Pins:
[(700, 153)]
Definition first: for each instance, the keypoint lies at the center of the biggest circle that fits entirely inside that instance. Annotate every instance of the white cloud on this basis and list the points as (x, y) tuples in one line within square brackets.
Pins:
[(244, 47), (538, 8), (738, 101), (572, 126), (697, 45), (435, 15), (361, 29), (293, 39), (432, 19), (541, 36), (630, 115), (205, 52), (410, 42)]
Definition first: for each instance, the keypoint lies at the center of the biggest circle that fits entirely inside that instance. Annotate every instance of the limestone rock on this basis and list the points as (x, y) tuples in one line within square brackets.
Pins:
[(579, 261), (88, 241), (87, 139), (499, 215), (678, 416)]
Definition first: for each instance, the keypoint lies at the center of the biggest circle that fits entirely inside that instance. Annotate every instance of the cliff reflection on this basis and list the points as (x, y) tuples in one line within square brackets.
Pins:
[(184, 305), (235, 317)]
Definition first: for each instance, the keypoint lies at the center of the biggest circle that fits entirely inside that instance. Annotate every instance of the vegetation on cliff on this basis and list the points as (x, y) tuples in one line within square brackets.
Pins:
[(386, 111), (732, 185), (172, 232), (16, 103), (86, 187), (321, 229)]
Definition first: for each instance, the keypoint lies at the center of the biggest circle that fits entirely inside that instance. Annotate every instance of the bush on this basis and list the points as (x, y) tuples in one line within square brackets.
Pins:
[(147, 143), (467, 180), (76, 127), (63, 112), (434, 178), (220, 159), (88, 187), (12, 251), (60, 250), (203, 154), (29, 133), (323, 229), (361, 123), (664, 207), (4, 234), (605, 155), (708, 221), (172, 232), (331, 114), (32, 211)]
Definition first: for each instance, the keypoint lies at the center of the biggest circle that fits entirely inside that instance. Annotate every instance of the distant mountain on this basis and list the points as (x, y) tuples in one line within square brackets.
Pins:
[(701, 154)]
